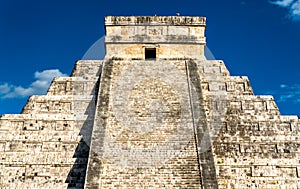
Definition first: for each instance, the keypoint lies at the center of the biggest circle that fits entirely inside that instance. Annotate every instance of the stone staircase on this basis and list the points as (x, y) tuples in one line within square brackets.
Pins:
[(149, 167)]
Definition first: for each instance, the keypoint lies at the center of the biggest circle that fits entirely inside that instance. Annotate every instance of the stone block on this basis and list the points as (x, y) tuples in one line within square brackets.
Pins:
[(264, 171)]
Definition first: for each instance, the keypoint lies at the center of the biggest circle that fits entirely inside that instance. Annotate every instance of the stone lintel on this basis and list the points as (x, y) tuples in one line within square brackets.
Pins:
[(156, 20)]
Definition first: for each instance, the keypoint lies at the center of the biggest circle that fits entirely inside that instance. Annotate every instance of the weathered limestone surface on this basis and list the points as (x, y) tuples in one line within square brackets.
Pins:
[(256, 147), (173, 37), (43, 147), (176, 121)]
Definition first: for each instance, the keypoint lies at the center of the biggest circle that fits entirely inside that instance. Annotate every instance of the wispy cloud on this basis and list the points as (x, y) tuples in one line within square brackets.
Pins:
[(292, 5), (287, 93), (38, 87), (283, 3)]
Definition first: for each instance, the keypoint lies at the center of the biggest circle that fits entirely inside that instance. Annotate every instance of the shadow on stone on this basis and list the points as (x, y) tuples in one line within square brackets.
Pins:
[(77, 174)]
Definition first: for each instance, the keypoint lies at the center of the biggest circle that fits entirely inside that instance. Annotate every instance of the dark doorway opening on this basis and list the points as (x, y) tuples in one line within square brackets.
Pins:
[(150, 54)]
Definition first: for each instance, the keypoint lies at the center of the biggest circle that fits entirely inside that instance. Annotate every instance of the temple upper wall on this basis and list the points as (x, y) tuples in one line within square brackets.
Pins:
[(155, 20)]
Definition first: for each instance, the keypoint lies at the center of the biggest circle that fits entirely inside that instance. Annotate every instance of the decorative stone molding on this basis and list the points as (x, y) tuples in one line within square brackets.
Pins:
[(155, 20)]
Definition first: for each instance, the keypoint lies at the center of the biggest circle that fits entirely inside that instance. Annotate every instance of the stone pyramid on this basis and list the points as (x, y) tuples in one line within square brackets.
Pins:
[(153, 114)]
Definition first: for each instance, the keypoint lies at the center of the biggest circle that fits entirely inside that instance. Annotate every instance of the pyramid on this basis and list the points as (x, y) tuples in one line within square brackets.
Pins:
[(154, 113)]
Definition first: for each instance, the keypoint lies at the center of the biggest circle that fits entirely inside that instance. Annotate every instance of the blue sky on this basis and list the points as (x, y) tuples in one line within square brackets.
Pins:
[(43, 39)]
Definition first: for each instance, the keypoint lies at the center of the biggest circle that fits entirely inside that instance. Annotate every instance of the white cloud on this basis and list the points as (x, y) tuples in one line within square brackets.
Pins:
[(5, 88), (286, 97), (295, 10), (283, 3), (292, 5), (38, 87), (283, 86), (286, 93)]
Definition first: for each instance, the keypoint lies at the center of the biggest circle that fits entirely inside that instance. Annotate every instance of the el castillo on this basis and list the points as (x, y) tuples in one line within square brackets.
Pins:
[(154, 113)]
